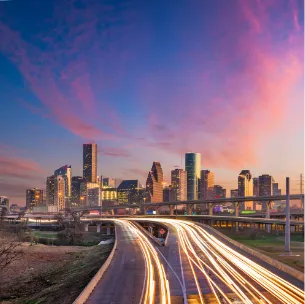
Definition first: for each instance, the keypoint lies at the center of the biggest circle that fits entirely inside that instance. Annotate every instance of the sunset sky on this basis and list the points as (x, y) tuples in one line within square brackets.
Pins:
[(148, 81)]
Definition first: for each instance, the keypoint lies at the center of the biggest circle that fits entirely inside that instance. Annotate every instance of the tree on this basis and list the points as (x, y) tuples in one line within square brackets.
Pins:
[(72, 228), (9, 251)]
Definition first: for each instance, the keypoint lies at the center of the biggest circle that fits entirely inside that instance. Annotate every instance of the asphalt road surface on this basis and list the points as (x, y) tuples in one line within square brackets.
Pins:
[(124, 279)]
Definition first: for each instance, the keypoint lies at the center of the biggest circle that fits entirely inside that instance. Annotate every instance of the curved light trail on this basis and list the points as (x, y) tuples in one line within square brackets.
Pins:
[(154, 269), (220, 265)]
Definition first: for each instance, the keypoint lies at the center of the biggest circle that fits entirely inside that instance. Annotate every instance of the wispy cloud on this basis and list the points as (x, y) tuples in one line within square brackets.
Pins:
[(227, 109), (67, 74)]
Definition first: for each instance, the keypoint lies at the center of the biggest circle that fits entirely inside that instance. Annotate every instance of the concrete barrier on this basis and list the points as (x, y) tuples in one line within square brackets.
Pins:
[(148, 234), (283, 267), (82, 298)]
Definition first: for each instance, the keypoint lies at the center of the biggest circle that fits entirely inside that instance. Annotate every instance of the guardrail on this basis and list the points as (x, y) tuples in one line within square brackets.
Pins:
[(283, 267), (83, 297)]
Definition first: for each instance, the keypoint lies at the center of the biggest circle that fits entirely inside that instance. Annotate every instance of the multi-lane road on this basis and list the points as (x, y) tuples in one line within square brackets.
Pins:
[(194, 267)]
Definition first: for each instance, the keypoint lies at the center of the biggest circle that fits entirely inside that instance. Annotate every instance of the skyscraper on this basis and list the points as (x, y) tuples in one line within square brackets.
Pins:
[(245, 188), (234, 193), (128, 191), (34, 198), (178, 181), (59, 192), (219, 192), (206, 182), (265, 185), (255, 186), (169, 194), (50, 190), (275, 189), (4, 204), (66, 173), (154, 183), (90, 162), (76, 190), (109, 182), (192, 167)]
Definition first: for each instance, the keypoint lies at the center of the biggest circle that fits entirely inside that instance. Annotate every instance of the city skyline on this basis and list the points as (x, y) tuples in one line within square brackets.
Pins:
[(67, 169), (149, 91)]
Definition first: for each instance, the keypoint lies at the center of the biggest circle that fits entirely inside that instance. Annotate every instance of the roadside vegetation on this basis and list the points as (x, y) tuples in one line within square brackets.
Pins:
[(61, 281), (48, 266), (273, 245)]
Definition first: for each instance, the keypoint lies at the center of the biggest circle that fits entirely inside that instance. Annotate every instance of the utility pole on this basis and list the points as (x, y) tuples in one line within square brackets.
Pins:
[(287, 225), (301, 191)]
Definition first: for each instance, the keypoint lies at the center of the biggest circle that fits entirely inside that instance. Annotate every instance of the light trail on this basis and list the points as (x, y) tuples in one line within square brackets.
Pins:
[(249, 281), (154, 268)]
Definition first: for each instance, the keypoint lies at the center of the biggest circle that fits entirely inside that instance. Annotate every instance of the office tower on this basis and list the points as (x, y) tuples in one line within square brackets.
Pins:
[(192, 168), (245, 188), (90, 162), (109, 182), (265, 185), (128, 192), (219, 192), (50, 190), (275, 189), (154, 183), (170, 194), (178, 181), (76, 190), (234, 193), (94, 195), (34, 198), (109, 194), (59, 192), (206, 182), (4, 204), (255, 186), (66, 173)]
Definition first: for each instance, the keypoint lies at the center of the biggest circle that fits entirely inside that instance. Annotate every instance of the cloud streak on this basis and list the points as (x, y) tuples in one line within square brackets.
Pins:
[(234, 105), (64, 68)]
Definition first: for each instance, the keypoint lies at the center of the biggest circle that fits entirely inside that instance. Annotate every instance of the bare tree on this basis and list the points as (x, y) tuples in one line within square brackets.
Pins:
[(9, 251), (71, 227)]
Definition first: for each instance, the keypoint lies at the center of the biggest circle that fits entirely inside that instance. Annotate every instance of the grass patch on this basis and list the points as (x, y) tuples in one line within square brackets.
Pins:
[(60, 284)]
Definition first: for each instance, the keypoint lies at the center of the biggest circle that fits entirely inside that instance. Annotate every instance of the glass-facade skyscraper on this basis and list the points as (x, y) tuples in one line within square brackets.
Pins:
[(245, 188), (154, 183), (90, 163), (192, 168), (178, 181)]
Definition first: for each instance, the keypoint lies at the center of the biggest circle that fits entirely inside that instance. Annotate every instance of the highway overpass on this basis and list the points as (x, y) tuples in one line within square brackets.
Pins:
[(195, 266)]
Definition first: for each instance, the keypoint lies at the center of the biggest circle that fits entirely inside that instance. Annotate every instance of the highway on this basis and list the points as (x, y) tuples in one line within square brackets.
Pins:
[(216, 269), (194, 267), (135, 274)]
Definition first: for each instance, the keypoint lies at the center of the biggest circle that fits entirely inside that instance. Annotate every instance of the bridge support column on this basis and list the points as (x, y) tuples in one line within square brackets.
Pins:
[(171, 209), (108, 229), (145, 210), (303, 206), (236, 207), (131, 211), (189, 209), (268, 226), (211, 205), (157, 210), (86, 227), (98, 227)]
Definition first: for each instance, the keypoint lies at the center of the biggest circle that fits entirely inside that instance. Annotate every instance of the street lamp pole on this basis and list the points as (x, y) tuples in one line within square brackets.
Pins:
[(287, 226)]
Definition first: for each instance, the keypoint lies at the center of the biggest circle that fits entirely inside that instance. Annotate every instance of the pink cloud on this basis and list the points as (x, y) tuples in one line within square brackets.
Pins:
[(114, 152), (66, 73), (16, 167), (243, 97)]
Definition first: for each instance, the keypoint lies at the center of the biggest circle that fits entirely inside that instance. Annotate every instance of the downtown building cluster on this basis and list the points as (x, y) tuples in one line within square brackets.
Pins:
[(63, 190)]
